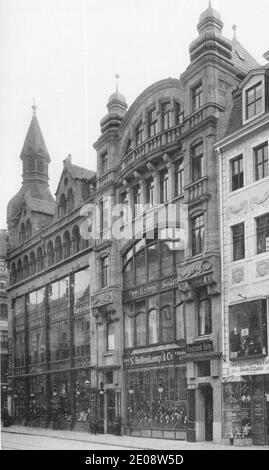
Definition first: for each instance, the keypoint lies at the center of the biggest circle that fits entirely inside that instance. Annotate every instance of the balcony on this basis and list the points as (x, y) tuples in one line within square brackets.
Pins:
[(197, 191), (156, 142), (105, 179)]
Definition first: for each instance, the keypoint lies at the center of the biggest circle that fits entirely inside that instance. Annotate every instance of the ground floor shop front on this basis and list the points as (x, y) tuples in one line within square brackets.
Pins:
[(246, 409)]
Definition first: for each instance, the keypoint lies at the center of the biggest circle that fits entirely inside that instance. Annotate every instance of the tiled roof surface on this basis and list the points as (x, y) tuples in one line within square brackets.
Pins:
[(34, 143), (235, 121), (241, 58)]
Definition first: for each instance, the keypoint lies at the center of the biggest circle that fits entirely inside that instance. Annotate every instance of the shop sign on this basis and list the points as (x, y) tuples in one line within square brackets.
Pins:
[(151, 288), (249, 367), (36, 323), (83, 362), (53, 366), (159, 358), (58, 316), (200, 347), (82, 308)]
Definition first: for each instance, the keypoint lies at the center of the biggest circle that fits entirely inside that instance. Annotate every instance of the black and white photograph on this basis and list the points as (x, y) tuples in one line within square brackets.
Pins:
[(134, 228)]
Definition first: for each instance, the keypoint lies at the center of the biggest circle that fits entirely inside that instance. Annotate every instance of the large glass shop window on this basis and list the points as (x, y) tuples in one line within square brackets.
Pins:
[(81, 290), (59, 331), (82, 336), (19, 351), (37, 346), (60, 396), (19, 400), (36, 303), (59, 340), (237, 399), (19, 307), (157, 319), (147, 262), (157, 399), (37, 398), (248, 329)]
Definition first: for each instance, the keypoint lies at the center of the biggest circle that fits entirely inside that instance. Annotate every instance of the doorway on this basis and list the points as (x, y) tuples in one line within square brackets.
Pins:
[(208, 400)]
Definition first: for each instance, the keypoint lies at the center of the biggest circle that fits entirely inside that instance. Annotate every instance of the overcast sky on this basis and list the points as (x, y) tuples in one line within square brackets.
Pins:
[(65, 53)]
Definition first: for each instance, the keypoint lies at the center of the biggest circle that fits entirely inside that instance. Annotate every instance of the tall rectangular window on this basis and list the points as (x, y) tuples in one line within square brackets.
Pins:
[(179, 114), (139, 133), (261, 161), (137, 201), (166, 116), (197, 93), (152, 122), (238, 234), (198, 230), (150, 191), (237, 173), (179, 177), (104, 271), (262, 226), (110, 336), (164, 186), (104, 162), (204, 312), (254, 100), (197, 162)]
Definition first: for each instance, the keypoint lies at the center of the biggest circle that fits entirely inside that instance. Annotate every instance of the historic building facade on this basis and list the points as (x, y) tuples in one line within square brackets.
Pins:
[(3, 316), (244, 169), (156, 297), (49, 292), (115, 287)]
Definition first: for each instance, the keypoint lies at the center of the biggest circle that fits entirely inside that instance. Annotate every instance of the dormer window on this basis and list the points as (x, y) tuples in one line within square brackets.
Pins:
[(254, 100)]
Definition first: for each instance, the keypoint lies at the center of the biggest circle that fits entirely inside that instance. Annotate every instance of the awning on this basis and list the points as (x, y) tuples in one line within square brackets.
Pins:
[(233, 378)]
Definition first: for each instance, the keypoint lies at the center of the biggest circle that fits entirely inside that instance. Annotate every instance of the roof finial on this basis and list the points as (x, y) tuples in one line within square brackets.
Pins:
[(234, 30), (34, 107), (209, 6), (117, 81)]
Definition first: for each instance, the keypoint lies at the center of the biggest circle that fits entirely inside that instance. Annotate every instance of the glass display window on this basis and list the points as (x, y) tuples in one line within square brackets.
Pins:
[(81, 289), (85, 395), (82, 337), (37, 346), (37, 398), (60, 396), (248, 329), (59, 340)]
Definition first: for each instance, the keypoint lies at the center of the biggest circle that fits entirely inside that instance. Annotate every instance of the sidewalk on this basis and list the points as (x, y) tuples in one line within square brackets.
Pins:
[(129, 442)]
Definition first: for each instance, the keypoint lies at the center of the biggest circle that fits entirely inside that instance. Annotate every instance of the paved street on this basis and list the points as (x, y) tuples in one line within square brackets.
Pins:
[(26, 438)]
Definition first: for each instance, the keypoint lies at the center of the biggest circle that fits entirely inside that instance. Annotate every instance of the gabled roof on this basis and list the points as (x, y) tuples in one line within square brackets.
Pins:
[(241, 58), (34, 143), (78, 172)]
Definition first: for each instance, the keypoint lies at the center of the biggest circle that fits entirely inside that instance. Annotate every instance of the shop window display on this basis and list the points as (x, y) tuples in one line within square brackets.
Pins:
[(19, 400), (85, 396), (82, 337), (156, 399), (59, 340), (248, 329), (19, 351), (37, 346), (37, 403), (60, 397), (81, 289)]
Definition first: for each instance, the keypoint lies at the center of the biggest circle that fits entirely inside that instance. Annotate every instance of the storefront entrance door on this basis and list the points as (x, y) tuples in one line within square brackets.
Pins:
[(208, 397)]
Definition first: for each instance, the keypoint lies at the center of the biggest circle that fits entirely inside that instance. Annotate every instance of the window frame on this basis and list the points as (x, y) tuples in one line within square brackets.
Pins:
[(261, 232), (197, 95), (104, 271), (202, 296), (263, 163), (255, 100), (235, 164), (201, 231), (237, 240)]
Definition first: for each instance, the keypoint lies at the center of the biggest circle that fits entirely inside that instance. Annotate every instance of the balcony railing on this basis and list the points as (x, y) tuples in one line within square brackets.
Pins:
[(196, 190), (105, 179), (154, 143)]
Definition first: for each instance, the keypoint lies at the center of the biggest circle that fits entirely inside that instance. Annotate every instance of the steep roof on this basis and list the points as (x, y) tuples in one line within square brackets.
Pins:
[(34, 143), (235, 121), (79, 172), (241, 58)]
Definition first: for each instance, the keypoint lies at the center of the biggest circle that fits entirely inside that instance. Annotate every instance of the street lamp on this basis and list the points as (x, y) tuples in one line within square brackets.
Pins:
[(101, 391)]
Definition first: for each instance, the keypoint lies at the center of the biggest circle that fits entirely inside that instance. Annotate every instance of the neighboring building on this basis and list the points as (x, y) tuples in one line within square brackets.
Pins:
[(130, 328), (158, 305), (243, 155), (49, 292), (3, 315)]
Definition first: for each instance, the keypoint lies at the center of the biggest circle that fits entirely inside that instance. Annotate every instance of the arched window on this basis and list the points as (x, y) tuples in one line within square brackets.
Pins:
[(25, 267), (50, 253), (22, 236), (58, 249), (70, 200), (167, 324), (28, 229), (76, 239), (67, 244), (39, 259), (13, 274), (62, 206), (32, 263), (141, 337), (19, 270)]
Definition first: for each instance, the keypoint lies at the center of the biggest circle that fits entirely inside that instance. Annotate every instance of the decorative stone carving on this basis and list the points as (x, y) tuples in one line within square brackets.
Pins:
[(186, 292), (262, 268), (213, 287), (238, 275), (237, 210), (198, 268), (102, 299), (256, 201)]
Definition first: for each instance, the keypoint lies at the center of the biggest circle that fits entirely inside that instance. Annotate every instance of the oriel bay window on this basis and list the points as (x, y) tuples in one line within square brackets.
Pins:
[(248, 329), (197, 162), (154, 320), (198, 232), (262, 228)]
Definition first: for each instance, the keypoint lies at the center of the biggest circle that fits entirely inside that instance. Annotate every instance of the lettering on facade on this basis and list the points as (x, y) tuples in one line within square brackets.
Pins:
[(202, 346), (82, 308), (36, 323), (249, 367), (150, 289), (154, 358), (58, 316)]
